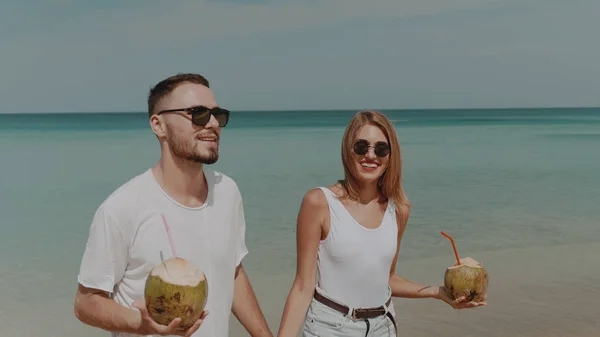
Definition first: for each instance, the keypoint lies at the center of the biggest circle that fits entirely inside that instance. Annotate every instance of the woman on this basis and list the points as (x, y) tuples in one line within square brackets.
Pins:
[(349, 234)]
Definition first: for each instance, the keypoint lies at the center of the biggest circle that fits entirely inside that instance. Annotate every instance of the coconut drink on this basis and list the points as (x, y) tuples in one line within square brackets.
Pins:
[(176, 288), (466, 278)]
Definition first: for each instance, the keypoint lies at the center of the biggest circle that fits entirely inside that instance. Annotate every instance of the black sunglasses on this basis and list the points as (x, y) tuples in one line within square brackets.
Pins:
[(361, 147), (201, 114)]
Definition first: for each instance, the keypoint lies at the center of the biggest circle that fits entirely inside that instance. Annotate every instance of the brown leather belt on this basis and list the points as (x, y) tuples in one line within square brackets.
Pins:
[(358, 313)]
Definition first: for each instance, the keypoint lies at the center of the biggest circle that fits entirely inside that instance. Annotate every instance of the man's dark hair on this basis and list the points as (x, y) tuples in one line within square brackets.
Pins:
[(166, 86)]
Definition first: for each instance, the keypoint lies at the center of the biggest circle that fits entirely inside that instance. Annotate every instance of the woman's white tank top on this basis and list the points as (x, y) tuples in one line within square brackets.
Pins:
[(354, 262)]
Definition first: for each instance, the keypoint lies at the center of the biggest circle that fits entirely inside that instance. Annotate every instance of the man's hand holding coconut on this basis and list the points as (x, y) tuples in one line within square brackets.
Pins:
[(149, 326)]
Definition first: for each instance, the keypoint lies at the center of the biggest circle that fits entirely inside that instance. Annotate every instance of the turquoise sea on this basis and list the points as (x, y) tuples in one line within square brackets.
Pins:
[(518, 189)]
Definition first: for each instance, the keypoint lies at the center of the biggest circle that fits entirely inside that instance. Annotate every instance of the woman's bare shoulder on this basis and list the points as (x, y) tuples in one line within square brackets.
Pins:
[(314, 209), (314, 197)]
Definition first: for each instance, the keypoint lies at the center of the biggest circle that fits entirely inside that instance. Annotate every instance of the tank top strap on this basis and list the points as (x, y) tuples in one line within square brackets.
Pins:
[(392, 208), (334, 202), (337, 211), (328, 195)]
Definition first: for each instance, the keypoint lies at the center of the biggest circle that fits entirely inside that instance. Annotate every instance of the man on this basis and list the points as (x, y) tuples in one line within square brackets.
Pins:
[(199, 210)]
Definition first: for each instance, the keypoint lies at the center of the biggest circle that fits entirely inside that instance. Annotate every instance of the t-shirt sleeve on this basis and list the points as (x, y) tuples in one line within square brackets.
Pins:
[(105, 255), (240, 232)]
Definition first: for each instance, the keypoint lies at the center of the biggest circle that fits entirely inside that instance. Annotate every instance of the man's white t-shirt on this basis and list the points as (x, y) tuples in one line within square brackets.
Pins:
[(127, 236)]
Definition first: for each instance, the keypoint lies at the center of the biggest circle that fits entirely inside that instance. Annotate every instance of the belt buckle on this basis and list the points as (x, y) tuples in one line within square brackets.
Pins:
[(356, 311)]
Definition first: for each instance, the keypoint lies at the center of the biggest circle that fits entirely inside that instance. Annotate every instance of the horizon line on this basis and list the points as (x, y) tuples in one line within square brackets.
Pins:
[(313, 110)]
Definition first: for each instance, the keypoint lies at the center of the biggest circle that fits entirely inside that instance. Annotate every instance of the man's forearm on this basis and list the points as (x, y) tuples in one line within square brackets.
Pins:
[(99, 311), (246, 309)]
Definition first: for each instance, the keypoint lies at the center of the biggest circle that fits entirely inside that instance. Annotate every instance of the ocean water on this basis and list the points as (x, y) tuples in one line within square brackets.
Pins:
[(518, 189)]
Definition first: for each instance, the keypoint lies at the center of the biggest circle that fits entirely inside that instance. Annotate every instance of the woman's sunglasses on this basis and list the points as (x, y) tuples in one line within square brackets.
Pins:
[(361, 147), (201, 115)]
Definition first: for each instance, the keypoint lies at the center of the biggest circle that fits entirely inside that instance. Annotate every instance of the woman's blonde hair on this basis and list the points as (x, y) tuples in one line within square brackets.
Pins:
[(390, 182)]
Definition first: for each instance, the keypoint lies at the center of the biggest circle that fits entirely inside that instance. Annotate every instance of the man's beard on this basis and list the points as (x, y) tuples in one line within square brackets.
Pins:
[(187, 150)]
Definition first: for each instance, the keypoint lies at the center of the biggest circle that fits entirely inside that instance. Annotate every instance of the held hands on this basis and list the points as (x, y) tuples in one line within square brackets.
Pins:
[(460, 302), (150, 327)]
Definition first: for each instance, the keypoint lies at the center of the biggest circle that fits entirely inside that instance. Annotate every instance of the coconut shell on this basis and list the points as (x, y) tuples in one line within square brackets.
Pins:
[(174, 289), (469, 279)]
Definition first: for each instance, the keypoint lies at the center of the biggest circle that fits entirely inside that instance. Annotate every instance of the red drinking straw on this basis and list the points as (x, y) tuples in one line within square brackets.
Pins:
[(453, 247)]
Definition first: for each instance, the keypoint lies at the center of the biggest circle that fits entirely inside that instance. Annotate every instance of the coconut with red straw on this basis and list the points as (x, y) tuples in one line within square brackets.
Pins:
[(466, 278)]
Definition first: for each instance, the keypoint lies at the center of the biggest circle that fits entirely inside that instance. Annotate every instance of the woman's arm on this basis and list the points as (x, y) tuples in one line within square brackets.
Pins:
[(310, 219), (402, 287)]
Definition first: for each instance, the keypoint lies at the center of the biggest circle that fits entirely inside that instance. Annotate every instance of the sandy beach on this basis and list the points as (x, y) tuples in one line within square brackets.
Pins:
[(534, 292)]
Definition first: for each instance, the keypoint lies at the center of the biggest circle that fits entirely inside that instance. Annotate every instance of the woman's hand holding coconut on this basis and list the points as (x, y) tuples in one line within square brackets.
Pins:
[(149, 326), (461, 302), (465, 283)]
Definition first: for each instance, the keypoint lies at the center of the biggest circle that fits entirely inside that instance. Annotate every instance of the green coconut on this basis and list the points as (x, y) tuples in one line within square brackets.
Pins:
[(468, 279), (176, 288)]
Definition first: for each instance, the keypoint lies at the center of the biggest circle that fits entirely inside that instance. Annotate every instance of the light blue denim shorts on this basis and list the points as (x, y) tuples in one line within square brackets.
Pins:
[(323, 321)]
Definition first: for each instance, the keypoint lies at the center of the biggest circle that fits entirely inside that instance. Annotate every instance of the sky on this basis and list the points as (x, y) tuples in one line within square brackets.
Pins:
[(103, 56)]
